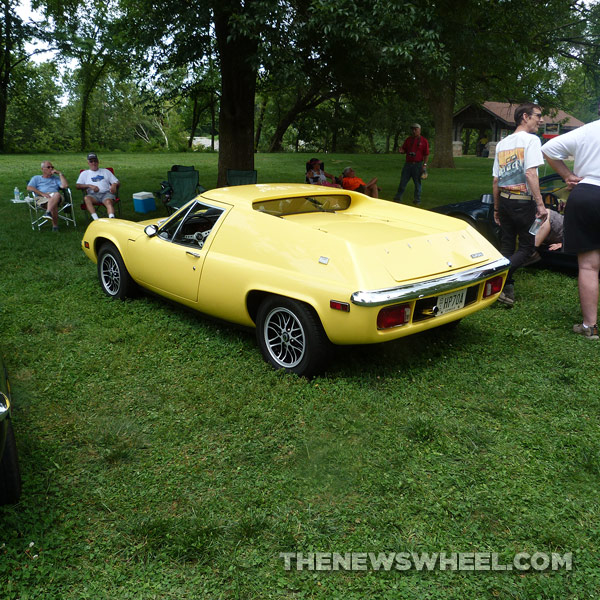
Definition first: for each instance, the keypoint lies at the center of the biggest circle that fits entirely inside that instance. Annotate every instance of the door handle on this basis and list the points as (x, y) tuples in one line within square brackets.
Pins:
[(192, 253)]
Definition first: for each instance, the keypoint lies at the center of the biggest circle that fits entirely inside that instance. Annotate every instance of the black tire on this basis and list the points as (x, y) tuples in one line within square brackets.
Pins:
[(291, 337), (114, 278), (10, 474)]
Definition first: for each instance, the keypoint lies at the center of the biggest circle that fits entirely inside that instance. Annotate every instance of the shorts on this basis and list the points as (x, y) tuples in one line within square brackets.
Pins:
[(582, 219), (100, 197), (42, 200), (556, 228)]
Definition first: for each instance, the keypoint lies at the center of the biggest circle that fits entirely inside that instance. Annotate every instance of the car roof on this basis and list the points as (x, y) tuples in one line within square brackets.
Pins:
[(247, 195)]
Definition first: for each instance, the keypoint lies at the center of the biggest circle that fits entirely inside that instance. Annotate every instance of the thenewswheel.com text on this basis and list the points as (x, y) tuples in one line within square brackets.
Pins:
[(419, 561)]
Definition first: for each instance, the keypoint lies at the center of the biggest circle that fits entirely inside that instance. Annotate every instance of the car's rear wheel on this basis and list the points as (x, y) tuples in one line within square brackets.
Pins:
[(10, 474), (112, 273), (291, 337)]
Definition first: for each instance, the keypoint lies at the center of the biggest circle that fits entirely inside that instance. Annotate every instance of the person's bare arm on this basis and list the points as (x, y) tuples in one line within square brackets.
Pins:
[(561, 168), (533, 183)]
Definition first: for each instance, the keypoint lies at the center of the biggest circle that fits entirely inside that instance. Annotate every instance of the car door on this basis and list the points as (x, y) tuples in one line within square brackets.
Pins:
[(171, 261)]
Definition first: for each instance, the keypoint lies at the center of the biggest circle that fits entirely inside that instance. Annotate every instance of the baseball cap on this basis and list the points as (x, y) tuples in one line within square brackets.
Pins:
[(415, 125), (92, 156)]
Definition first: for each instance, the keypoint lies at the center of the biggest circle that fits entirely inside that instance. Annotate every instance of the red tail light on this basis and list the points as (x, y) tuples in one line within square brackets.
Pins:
[(393, 316), (337, 305), (492, 286)]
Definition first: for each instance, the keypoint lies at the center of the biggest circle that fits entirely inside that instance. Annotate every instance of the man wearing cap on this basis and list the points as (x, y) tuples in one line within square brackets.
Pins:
[(416, 148), (101, 187)]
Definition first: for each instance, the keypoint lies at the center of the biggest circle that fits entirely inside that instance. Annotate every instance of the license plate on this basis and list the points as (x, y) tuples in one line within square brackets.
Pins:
[(449, 302)]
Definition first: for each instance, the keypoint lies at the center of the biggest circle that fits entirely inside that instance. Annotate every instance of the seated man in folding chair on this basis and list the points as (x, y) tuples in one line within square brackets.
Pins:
[(101, 187), (46, 189)]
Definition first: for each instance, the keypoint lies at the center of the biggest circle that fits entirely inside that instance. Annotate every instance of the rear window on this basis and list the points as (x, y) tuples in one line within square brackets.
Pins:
[(303, 204)]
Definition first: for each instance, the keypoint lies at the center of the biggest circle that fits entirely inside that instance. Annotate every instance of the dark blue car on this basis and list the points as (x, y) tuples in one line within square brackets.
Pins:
[(10, 475), (480, 214)]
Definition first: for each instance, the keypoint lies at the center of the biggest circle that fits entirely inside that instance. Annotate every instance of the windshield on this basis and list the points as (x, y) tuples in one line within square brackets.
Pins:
[(303, 204)]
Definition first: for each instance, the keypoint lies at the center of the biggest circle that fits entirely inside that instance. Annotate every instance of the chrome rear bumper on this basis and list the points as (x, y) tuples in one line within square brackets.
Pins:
[(430, 287)]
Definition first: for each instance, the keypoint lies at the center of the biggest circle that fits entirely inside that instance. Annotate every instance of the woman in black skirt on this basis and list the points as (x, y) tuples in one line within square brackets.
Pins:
[(582, 213)]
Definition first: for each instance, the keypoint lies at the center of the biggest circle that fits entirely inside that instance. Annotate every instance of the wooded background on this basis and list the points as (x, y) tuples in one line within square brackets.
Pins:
[(275, 75)]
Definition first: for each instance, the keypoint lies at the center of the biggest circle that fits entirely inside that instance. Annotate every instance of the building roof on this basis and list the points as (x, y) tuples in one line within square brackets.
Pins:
[(505, 111)]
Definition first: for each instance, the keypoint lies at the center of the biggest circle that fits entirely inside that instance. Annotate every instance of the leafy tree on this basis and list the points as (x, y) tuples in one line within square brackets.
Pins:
[(33, 113), (14, 34), (305, 46), (90, 33), (355, 50), (484, 57)]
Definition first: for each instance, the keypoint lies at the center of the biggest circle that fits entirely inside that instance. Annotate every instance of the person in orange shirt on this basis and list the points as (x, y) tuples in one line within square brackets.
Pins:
[(355, 184)]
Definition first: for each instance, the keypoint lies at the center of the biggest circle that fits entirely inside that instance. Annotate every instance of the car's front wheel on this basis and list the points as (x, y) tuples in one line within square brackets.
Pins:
[(10, 475), (114, 278), (291, 337)]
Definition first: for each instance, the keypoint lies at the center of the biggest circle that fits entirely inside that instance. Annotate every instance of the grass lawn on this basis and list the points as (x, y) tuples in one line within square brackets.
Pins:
[(163, 459)]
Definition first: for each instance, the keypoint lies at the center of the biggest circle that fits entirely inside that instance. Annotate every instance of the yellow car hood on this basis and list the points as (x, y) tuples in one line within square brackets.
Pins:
[(407, 249)]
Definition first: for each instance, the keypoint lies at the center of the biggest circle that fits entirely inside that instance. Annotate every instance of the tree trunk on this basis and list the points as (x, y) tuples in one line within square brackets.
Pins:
[(441, 105), (213, 124), (238, 86), (92, 69), (305, 101), (85, 98), (276, 144), (6, 54), (371, 139), (3, 108), (261, 118), (467, 141), (194, 124)]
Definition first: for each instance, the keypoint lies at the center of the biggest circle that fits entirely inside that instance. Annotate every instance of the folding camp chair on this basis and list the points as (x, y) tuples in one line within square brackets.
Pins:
[(38, 206), (237, 177), (116, 201), (181, 186)]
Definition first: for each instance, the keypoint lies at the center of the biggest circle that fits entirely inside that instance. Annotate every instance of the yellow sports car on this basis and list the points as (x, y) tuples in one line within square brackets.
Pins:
[(306, 265)]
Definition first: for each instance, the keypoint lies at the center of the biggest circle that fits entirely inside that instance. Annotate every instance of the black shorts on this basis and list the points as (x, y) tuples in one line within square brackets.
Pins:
[(582, 219)]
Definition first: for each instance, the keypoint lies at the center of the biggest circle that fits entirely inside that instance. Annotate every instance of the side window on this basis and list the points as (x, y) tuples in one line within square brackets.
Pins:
[(193, 227)]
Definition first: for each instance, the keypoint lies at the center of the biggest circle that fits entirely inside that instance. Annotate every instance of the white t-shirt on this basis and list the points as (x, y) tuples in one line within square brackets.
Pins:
[(514, 155), (584, 144), (103, 178)]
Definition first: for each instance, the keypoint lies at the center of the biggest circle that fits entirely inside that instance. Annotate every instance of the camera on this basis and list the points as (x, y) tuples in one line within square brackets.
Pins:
[(412, 153)]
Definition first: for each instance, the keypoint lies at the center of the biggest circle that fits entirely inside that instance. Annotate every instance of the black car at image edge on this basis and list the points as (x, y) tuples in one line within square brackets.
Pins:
[(480, 214), (10, 475)]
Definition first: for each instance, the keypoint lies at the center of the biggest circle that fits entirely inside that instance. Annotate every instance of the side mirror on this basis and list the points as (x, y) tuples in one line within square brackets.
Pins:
[(151, 230)]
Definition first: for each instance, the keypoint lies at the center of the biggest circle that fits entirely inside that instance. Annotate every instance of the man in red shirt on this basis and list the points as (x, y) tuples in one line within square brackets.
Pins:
[(416, 148)]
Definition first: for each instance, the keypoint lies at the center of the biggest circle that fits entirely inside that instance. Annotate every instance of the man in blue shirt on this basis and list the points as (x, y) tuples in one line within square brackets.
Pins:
[(46, 188)]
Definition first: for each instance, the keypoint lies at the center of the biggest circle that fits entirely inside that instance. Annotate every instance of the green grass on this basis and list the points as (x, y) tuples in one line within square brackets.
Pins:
[(162, 458), (144, 172)]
